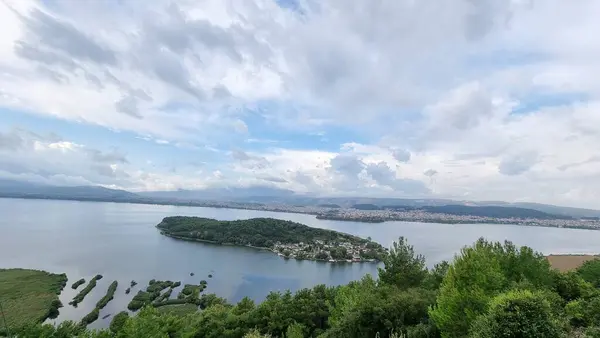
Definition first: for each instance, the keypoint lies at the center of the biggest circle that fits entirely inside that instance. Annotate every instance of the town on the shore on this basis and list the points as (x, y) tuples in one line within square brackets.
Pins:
[(330, 252), (382, 215)]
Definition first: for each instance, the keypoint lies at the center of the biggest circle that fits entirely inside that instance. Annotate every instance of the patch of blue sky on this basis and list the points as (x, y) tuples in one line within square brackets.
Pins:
[(536, 101), (263, 135), (292, 5), (138, 149)]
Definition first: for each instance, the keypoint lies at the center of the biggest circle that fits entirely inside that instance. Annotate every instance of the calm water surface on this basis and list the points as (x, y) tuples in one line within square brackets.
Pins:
[(120, 242)]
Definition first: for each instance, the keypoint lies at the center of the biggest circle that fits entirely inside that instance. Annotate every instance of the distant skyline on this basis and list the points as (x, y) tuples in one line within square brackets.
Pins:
[(467, 100)]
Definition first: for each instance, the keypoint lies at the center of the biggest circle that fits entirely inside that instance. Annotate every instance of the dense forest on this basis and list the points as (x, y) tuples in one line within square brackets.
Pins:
[(258, 232), (489, 290)]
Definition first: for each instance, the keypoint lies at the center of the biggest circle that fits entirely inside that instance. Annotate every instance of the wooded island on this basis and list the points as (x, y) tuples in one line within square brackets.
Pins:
[(285, 238)]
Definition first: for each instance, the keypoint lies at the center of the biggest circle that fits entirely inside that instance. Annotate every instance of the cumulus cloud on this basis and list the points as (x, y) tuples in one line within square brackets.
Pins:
[(517, 164), (401, 155), (385, 176), (347, 164), (49, 159), (248, 160), (498, 96)]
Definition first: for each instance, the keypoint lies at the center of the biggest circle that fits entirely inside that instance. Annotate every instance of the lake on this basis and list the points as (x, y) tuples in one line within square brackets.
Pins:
[(120, 242)]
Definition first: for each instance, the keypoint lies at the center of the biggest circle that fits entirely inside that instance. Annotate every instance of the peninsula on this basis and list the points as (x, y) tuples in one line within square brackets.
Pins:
[(286, 238)]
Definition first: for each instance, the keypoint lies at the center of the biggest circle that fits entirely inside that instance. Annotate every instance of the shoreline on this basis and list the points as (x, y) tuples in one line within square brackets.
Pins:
[(319, 216), (260, 248)]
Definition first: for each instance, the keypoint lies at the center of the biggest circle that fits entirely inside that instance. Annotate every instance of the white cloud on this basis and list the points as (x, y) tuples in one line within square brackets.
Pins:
[(429, 88)]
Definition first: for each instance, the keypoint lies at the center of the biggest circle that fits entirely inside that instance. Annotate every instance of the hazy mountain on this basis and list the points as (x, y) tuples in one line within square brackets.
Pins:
[(9, 188), (251, 194), (261, 194), (558, 210)]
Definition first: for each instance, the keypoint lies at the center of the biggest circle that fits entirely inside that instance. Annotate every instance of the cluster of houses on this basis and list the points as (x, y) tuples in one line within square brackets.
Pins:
[(320, 250)]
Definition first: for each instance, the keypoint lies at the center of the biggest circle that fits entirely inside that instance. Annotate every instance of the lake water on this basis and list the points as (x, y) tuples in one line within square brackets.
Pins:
[(120, 242)]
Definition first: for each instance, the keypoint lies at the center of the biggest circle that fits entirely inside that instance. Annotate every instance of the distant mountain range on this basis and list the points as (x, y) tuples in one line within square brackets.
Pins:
[(32, 190), (255, 194), (267, 195)]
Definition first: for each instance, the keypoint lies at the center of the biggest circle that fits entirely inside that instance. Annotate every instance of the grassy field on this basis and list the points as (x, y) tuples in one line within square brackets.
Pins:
[(29, 295), (569, 262)]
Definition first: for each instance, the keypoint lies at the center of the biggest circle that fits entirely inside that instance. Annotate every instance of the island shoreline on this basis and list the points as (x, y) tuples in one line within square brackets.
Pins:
[(287, 239), (180, 238)]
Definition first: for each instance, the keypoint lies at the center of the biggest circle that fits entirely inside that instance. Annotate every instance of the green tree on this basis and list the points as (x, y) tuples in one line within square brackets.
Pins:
[(255, 334), (322, 255), (402, 267), (517, 313), (584, 312), (243, 306), (590, 272), (294, 331), (435, 276), (570, 286), (349, 296), (384, 311), (480, 273), (116, 324), (149, 323)]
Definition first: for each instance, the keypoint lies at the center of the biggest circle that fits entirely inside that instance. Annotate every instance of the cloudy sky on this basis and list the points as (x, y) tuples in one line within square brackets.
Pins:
[(465, 99)]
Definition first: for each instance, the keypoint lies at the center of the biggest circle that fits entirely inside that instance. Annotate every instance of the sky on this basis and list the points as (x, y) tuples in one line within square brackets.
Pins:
[(463, 99)]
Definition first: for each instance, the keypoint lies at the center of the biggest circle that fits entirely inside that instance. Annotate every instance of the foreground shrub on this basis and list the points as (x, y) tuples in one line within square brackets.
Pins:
[(479, 274), (518, 313), (590, 272), (584, 312), (365, 310), (116, 324)]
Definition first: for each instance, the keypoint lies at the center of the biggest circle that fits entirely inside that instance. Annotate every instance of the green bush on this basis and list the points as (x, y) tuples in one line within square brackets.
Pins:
[(142, 298), (116, 324), (78, 283), (110, 294), (158, 286), (480, 273), (210, 300), (164, 296), (592, 332), (584, 312), (90, 317), (54, 306), (295, 331), (590, 272), (81, 295), (383, 310), (517, 313), (569, 285)]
